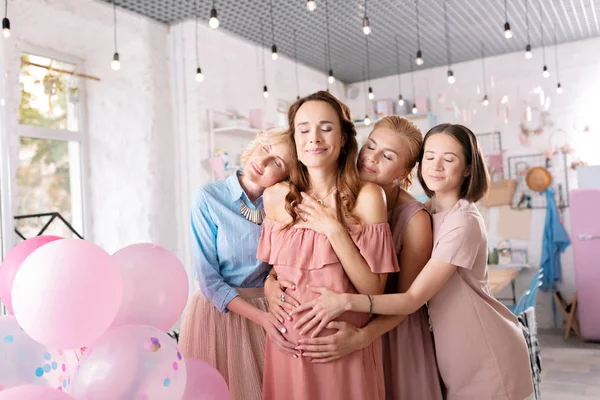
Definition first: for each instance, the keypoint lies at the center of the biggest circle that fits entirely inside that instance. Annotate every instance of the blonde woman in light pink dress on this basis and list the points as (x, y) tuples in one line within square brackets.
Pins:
[(480, 347), (387, 159), (352, 254)]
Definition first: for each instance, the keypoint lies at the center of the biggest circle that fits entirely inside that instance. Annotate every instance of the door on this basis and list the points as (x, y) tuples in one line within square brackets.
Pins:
[(585, 233)]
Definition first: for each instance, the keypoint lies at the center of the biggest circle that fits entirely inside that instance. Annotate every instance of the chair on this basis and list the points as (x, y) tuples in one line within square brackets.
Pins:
[(568, 310), (528, 298)]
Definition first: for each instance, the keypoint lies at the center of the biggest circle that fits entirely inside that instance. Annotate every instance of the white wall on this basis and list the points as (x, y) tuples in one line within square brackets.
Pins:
[(131, 147), (512, 76)]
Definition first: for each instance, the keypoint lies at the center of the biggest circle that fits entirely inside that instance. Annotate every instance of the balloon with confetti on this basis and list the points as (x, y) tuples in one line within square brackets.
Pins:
[(131, 362), (23, 361), (30, 392)]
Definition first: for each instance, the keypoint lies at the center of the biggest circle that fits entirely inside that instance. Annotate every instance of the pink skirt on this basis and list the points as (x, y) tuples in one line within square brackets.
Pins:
[(232, 344), (409, 361)]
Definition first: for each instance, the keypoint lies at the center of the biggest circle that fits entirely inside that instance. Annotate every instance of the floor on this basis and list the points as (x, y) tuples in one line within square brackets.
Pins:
[(570, 369)]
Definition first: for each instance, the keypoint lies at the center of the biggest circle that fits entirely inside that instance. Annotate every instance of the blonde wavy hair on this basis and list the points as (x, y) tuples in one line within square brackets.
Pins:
[(413, 138), (268, 137)]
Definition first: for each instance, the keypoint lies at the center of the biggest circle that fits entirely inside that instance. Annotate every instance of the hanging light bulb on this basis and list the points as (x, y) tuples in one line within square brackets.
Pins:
[(366, 26), (371, 95), (485, 101), (199, 76), (528, 54), (451, 78), (274, 52), (6, 27), (419, 59), (545, 72), (414, 108), (367, 120), (115, 64), (265, 92), (400, 100), (311, 5), (507, 32), (331, 78), (559, 89), (213, 22)]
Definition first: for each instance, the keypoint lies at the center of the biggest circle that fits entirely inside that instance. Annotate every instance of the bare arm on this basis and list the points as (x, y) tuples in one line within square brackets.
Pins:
[(429, 282)]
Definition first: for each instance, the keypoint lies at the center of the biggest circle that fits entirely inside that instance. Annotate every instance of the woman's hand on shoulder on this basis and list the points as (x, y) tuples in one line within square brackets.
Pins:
[(371, 205)]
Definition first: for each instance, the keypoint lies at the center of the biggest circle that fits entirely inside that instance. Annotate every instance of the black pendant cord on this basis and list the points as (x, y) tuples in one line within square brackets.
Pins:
[(412, 78), (398, 65), (483, 70), (296, 61), (196, 32), (5, 8), (262, 52), (328, 39), (556, 54), (418, 33), (527, 21), (447, 23), (114, 22), (368, 63), (272, 22), (542, 33)]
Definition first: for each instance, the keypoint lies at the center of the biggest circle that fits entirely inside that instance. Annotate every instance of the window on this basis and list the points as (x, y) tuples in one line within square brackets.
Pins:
[(49, 172)]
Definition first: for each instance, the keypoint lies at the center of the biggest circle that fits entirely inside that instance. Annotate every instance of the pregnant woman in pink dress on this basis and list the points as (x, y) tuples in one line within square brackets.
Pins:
[(353, 257), (387, 159)]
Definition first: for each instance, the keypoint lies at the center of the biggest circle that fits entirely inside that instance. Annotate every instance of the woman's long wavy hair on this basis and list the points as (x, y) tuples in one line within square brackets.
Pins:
[(348, 183)]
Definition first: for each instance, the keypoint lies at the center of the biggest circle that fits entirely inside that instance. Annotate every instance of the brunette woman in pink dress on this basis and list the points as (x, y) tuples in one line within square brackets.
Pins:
[(387, 159), (353, 256), (480, 349)]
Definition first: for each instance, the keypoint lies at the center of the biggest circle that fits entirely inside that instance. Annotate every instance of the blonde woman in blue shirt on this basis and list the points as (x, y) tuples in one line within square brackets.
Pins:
[(226, 322)]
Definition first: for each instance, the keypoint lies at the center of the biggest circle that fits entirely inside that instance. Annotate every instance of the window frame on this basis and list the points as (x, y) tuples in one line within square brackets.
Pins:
[(80, 136)]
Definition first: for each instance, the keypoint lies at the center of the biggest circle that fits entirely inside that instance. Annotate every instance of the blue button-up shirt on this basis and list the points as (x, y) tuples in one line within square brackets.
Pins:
[(224, 243)]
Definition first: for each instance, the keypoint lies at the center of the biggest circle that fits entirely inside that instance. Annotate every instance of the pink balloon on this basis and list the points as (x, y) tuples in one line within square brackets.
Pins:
[(13, 261), (131, 362), (67, 293), (155, 286), (33, 393), (204, 382)]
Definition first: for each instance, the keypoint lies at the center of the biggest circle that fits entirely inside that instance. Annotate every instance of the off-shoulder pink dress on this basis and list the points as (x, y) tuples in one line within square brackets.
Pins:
[(305, 257)]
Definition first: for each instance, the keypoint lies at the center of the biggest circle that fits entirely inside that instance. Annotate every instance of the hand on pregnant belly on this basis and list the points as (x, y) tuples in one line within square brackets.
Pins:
[(277, 334), (318, 312)]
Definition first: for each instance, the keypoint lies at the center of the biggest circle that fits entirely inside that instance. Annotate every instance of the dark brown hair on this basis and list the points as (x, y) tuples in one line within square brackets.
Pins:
[(476, 184), (348, 183)]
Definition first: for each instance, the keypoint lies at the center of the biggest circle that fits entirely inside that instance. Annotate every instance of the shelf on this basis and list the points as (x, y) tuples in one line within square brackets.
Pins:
[(236, 130)]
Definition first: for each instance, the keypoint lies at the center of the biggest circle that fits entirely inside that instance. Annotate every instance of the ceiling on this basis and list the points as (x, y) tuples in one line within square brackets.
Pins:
[(471, 22)]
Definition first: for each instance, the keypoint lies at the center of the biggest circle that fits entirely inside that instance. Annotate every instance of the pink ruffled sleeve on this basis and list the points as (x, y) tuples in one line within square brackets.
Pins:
[(376, 245)]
